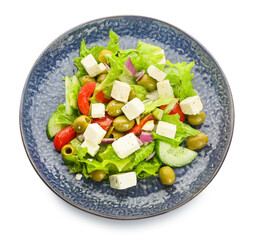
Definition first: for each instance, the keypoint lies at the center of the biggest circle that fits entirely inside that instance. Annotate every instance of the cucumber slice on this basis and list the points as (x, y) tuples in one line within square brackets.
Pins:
[(174, 156), (52, 127)]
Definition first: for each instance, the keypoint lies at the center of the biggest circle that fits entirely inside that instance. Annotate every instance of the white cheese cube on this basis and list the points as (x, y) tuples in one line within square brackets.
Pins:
[(126, 145), (78, 176), (156, 73), (163, 60), (191, 105), (133, 108), (123, 180), (92, 148), (166, 129), (102, 68), (120, 91), (90, 65), (148, 126), (164, 89), (97, 110), (154, 95), (94, 133)]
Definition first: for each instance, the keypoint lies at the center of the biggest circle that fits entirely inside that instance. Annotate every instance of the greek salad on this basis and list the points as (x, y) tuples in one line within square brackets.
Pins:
[(127, 114)]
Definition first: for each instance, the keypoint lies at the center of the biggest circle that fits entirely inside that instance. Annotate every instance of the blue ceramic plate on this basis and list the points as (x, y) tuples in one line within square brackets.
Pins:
[(44, 91)]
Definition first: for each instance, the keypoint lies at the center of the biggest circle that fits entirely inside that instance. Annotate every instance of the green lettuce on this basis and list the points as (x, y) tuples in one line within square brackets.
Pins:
[(115, 164), (140, 91), (148, 168), (151, 105), (62, 118), (113, 45), (182, 131), (180, 77)]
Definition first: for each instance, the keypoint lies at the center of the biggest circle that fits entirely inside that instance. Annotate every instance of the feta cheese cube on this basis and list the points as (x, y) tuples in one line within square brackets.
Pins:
[(166, 129), (94, 133), (78, 176), (126, 145), (164, 89), (120, 91), (148, 126), (102, 68), (123, 180), (163, 60), (97, 110), (92, 148), (90, 65), (191, 105), (133, 108), (156, 73)]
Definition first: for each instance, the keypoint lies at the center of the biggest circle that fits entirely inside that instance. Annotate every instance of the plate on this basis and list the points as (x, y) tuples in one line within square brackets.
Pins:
[(44, 91)]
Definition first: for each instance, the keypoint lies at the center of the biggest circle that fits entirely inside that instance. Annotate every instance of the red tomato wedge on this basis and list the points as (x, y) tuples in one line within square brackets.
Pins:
[(137, 129), (177, 109), (84, 95), (63, 137), (104, 122), (100, 97)]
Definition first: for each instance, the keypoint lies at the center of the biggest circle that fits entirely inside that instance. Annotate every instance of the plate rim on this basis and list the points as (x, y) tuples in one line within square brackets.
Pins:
[(136, 217)]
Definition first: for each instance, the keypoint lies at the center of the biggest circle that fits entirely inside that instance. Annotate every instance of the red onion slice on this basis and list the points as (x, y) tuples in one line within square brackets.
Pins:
[(146, 137), (107, 66), (130, 67), (150, 156), (139, 141), (108, 140), (139, 75)]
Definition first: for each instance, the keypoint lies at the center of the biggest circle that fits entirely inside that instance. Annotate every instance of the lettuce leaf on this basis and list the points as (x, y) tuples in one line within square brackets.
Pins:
[(140, 91), (113, 45), (63, 118), (183, 130), (148, 168), (180, 78), (115, 164), (93, 164), (151, 105)]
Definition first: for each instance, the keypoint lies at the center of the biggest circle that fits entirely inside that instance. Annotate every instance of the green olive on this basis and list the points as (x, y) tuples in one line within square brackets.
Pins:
[(67, 150), (149, 83), (117, 134), (132, 95), (114, 108), (196, 119), (101, 77), (122, 124), (80, 123), (101, 56), (197, 142), (98, 175), (85, 79), (166, 175)]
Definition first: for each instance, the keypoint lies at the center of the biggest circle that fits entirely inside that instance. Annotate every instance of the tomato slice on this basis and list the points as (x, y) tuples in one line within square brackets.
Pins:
[(84, 95), (104, 122), (137, 129), (100, 97), (63, 137), (177, 109)]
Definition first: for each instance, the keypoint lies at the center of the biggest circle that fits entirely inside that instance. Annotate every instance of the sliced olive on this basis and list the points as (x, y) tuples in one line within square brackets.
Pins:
[(166, 175), (197, 142), (67, 150), (101, 56), (98, 175), (80, 123), (196, 119), (101, 77), (114, 108), (122, 124), (149, 83), (85, 79), (116, 134)]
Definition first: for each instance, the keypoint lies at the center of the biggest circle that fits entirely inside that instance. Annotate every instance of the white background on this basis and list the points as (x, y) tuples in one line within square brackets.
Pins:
[(224, 210)]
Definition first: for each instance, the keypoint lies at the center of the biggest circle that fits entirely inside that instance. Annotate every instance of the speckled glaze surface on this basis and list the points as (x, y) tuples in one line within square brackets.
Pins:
[(44, 91)]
